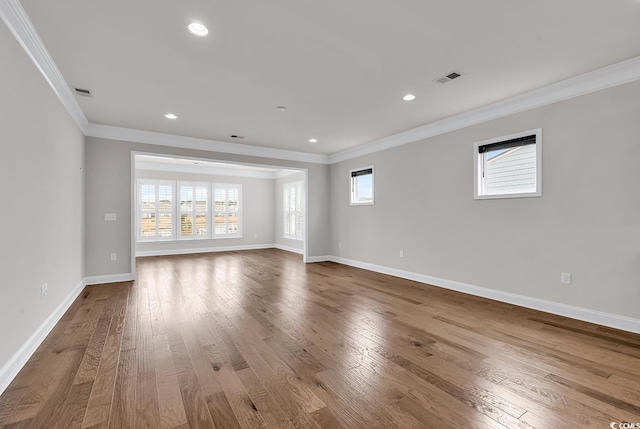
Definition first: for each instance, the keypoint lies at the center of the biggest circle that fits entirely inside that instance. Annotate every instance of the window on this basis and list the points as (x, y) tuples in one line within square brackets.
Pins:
[(194, 210), (361, 186), (508, 167), (194, 216), (292, 201), (155, 204), (227, 210)]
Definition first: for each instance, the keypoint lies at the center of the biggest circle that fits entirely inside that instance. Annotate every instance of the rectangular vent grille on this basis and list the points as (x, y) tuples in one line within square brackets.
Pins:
[(448, 77), (82, 92)]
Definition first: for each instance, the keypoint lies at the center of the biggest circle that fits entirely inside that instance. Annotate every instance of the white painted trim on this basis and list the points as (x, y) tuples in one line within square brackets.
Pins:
[(323, 258), (592, 316), (9, 371), (606, 77), (160, 139), (211, 171), (194, 250), (16, 19), (109, 278), (288, 249)]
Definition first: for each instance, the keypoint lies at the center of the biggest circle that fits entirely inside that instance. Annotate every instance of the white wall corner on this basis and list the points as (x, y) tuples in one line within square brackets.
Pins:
[(600, 318), (16, 19), (9, 371)]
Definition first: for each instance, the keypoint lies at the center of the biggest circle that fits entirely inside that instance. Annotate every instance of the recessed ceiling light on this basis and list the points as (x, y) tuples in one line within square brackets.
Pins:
[(409, 97), (170, 116), (313, 140), (281, 108), (198, 29)]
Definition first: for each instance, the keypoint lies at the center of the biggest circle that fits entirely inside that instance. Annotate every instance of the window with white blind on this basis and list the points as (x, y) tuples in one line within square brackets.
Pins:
[(195, 210), (227, 210), (155, 210), (361, 186), (509, 167), (292, 212)]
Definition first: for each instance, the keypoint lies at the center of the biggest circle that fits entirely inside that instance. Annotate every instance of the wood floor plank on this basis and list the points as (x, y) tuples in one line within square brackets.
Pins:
[(258, 339)]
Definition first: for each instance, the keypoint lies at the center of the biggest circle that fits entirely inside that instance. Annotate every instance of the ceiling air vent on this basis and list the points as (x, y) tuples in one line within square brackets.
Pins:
[(448, 77), (82, 92)]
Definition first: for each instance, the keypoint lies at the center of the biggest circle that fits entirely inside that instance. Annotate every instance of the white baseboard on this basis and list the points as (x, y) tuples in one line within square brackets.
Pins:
[(109, 278), (324, 258), (288, 249), (606, 319), (190, 251), (20, 358)]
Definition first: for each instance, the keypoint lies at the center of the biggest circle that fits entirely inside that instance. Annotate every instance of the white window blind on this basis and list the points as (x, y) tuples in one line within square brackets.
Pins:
[(194, 210), (292, 210), (227, 210)]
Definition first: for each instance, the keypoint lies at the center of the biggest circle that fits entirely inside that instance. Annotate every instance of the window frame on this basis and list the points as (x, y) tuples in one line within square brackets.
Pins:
[(352, 186), (226, 186), (193, 185), (300, 194), (156, 183), (479, 160)]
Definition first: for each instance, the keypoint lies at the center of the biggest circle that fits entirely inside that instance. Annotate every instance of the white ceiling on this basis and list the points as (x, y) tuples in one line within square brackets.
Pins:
[(340, 67)]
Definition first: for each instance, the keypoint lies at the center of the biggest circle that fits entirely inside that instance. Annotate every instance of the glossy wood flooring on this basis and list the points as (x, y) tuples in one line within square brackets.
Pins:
[(258, 339)]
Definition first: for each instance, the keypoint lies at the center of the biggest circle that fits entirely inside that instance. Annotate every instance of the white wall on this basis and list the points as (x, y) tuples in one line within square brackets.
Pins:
[(108, 190), (41, 189), (298, 245), (257, 212), (587, 221)]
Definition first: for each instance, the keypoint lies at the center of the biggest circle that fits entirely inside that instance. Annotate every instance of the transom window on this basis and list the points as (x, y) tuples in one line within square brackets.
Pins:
[(170, 210), (508, 167)]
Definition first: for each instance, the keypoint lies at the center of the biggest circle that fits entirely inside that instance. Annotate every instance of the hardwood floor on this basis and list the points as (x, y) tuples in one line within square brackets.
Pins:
[(258, 339)]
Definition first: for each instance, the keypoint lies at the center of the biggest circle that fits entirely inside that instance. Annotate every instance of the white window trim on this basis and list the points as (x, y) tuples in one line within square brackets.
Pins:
[(226, 235), (299, 185), (477, 167), (192, 237), (156, 183), (373, 189)]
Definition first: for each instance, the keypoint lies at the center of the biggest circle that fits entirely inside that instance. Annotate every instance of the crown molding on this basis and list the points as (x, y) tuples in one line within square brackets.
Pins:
[(16, 19), (150, 137), (606, 77)]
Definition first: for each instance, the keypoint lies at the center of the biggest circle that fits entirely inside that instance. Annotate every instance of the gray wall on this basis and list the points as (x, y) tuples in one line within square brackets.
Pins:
[(257, 211), (279, 227), (587, 221), (41, 189), (108, 190)]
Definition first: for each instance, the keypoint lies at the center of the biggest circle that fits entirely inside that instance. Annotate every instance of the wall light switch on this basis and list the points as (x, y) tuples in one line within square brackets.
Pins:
[(110, 217), (114, 256), (565, 278)]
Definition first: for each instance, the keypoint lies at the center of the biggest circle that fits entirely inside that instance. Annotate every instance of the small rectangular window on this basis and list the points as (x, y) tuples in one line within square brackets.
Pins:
[(508, 167), (292, 210), (361, 184)]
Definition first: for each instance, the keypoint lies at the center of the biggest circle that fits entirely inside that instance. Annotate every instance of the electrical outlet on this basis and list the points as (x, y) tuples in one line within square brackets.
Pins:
[(44, 290), (114, 256), (565, 278), (402, 253), (339, 245), (255, 235)]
